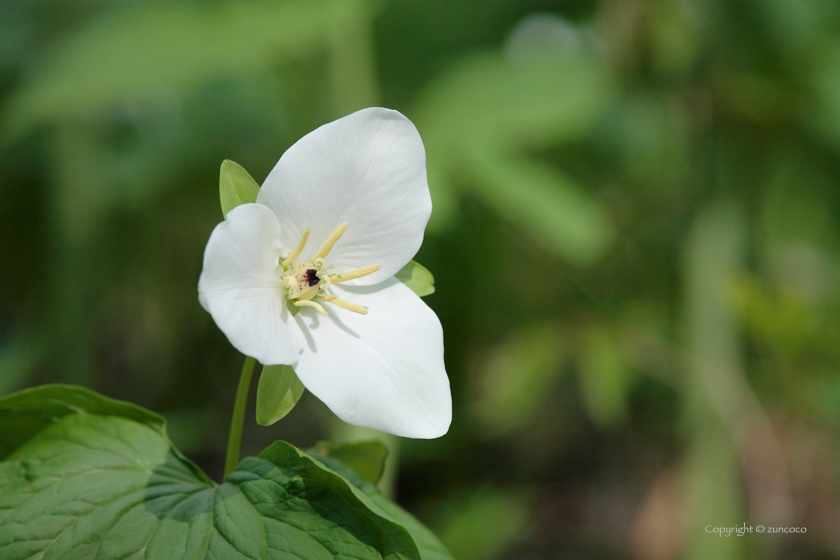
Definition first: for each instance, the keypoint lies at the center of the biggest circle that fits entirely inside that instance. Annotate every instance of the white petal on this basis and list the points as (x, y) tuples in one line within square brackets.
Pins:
[(367, 169), (242, 290), (202, 297), (383, 370)]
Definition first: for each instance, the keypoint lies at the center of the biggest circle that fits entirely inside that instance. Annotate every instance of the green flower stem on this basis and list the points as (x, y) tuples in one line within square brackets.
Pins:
[(235, 438)]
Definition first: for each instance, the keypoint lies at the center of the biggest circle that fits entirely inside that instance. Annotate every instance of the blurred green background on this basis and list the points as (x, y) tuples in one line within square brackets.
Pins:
[(661, 175)]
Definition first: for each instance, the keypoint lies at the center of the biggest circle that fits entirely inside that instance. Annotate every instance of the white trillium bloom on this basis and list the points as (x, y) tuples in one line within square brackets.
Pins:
[(305, 276)]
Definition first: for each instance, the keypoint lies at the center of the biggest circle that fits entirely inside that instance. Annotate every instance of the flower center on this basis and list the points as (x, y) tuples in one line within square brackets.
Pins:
[(307, 282)]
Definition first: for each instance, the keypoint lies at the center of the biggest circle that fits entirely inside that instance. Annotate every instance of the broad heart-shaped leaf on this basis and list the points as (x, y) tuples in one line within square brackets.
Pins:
[(418, 278), (236, 186), (26, 413), (366, 458), (110, 485), (277, 393), (427, 543)]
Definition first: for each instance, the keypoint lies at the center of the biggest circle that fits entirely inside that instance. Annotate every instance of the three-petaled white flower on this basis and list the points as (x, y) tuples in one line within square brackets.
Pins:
[(305, 276)]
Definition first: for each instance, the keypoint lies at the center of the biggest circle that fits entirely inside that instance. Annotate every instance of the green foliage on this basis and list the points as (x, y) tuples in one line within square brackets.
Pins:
[(278, 392), (481, 117), (714, 255), (18, 357), (519, 373), (85, 475), (427, 543), (418, 278), (141, 51), (365, 458), (25, 414), (486, 523), (571, 149), (236, 186), (605, 381)]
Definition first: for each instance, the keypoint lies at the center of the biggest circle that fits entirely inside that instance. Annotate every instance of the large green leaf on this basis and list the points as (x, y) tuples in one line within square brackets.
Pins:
[(428, 544), (110, 485), (366, 458), (277, 393), (23, 415)]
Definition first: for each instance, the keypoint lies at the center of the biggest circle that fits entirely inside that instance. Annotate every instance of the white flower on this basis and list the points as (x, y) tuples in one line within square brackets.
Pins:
[(305, 276)]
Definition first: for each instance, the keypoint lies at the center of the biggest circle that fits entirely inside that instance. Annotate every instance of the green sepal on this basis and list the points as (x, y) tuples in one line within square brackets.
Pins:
[(418, 278), (236, 186), (366, 458), (278, 392)]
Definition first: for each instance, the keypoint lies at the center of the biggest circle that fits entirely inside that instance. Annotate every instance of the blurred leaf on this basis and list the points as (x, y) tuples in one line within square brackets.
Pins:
[(675, 36), (444, 197), (823, 115), (546, 204), (779, 320), (822, 396), (427, 543), (486, 110), (757, 98), (712, 491), (716, 408), (418, 278), (486, 524), (518, 378), (140, 50), (236, 186), (366, 458), (654, 140), (797, 203), (490, 99), (353, 60), (796, 27), (19, 356), (604, 378), (278, 392)]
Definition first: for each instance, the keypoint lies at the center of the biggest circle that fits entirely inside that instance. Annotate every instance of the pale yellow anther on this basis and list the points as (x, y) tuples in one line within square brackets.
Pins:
[(348, 305), (330, 242), (299, 249), (309, 303), (358, 273)]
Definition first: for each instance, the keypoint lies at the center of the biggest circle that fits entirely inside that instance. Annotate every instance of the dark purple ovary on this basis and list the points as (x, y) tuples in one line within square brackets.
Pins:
[(311, 277)]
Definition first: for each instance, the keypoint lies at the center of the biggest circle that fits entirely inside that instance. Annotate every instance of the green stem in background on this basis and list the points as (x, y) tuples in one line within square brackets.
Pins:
[(235, 438)]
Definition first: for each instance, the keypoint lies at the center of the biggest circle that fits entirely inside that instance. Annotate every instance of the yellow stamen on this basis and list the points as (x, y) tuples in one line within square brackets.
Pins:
[(310, 303), (330, 242), (353, 274), (349, 306), (299, 249)]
